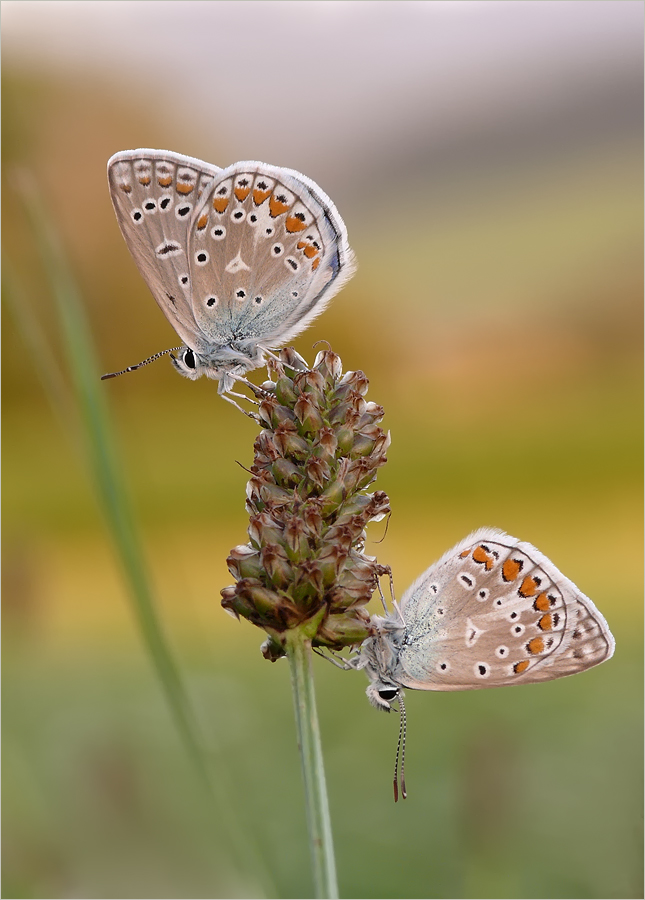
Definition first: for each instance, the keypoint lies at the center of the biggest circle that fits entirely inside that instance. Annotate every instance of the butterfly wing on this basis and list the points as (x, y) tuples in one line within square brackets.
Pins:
[(495, 611), (267, 251), (154, 193)]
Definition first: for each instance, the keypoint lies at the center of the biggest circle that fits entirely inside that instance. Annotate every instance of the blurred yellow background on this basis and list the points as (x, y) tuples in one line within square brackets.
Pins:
[(487, 160)]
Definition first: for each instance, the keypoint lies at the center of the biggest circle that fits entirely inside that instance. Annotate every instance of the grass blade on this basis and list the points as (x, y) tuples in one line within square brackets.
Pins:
[(89, 406)]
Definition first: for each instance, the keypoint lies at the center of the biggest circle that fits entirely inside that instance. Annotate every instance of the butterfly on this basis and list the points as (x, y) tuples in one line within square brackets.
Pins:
[(493, 611), (240, 260)]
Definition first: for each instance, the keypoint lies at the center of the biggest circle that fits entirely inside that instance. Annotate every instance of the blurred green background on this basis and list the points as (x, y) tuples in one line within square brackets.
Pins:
[(487, 160)]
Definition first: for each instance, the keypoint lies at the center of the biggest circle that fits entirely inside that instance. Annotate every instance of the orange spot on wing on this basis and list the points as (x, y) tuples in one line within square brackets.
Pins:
[(164, 180), (546, 622), (126, 188), (482, 557), (184, 188), (511, 569), (220, 204), (242, 193), (529, 587), (202, 222), (464, 554), (310, 251), (144, 180), (315, 264), (536, 645), (521, 666), (260, 196), (277, 207), (542, 603), (293, 224)]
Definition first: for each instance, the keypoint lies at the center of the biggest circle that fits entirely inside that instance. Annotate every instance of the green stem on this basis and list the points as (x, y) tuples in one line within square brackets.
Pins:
[(318, 818)]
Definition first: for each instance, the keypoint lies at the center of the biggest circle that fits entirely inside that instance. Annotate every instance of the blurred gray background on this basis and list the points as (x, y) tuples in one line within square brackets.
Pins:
[(487, 160)]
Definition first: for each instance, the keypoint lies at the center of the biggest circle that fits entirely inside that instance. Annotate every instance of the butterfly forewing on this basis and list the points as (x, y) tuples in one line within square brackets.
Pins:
[(154, 193), (495, 611), (263, 251)]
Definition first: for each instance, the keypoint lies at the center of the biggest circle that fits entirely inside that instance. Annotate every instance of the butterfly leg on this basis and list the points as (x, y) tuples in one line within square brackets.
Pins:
[(380, 590), (385, 570), (256, 390), (339, 661), (259, 392), (251, 415), (243, 396)]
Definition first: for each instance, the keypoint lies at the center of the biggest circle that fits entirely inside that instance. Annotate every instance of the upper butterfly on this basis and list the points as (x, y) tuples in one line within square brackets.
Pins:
[(240, 260)]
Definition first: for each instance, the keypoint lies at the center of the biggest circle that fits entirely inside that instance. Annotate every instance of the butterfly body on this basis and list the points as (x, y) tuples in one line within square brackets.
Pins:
[(240, 260), (492, 611)]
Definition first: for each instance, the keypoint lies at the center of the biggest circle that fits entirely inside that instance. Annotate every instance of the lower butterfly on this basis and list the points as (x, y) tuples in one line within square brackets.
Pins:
[(240, 260), (493, 611)]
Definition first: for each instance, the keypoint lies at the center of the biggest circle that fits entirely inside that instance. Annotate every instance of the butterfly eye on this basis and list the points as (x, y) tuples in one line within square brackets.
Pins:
[(388, 694), (189, 359)]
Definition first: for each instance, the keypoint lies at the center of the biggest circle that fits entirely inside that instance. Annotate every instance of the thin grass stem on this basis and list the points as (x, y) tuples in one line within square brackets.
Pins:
[(107, 473), (317, 804)]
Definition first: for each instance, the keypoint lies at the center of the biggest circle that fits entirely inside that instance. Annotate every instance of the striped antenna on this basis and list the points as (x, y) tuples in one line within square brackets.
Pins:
[(139, 365), (400, 748)]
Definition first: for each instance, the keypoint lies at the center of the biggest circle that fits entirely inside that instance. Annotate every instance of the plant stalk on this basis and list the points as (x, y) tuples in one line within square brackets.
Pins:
[(313, 772)]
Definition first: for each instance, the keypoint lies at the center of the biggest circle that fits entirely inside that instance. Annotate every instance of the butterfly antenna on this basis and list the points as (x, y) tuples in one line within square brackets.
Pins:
[(400, 751), (139, 365)]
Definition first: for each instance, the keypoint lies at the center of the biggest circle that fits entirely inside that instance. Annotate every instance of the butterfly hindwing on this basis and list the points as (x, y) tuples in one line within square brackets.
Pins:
[(265, 255), (495, 611)]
